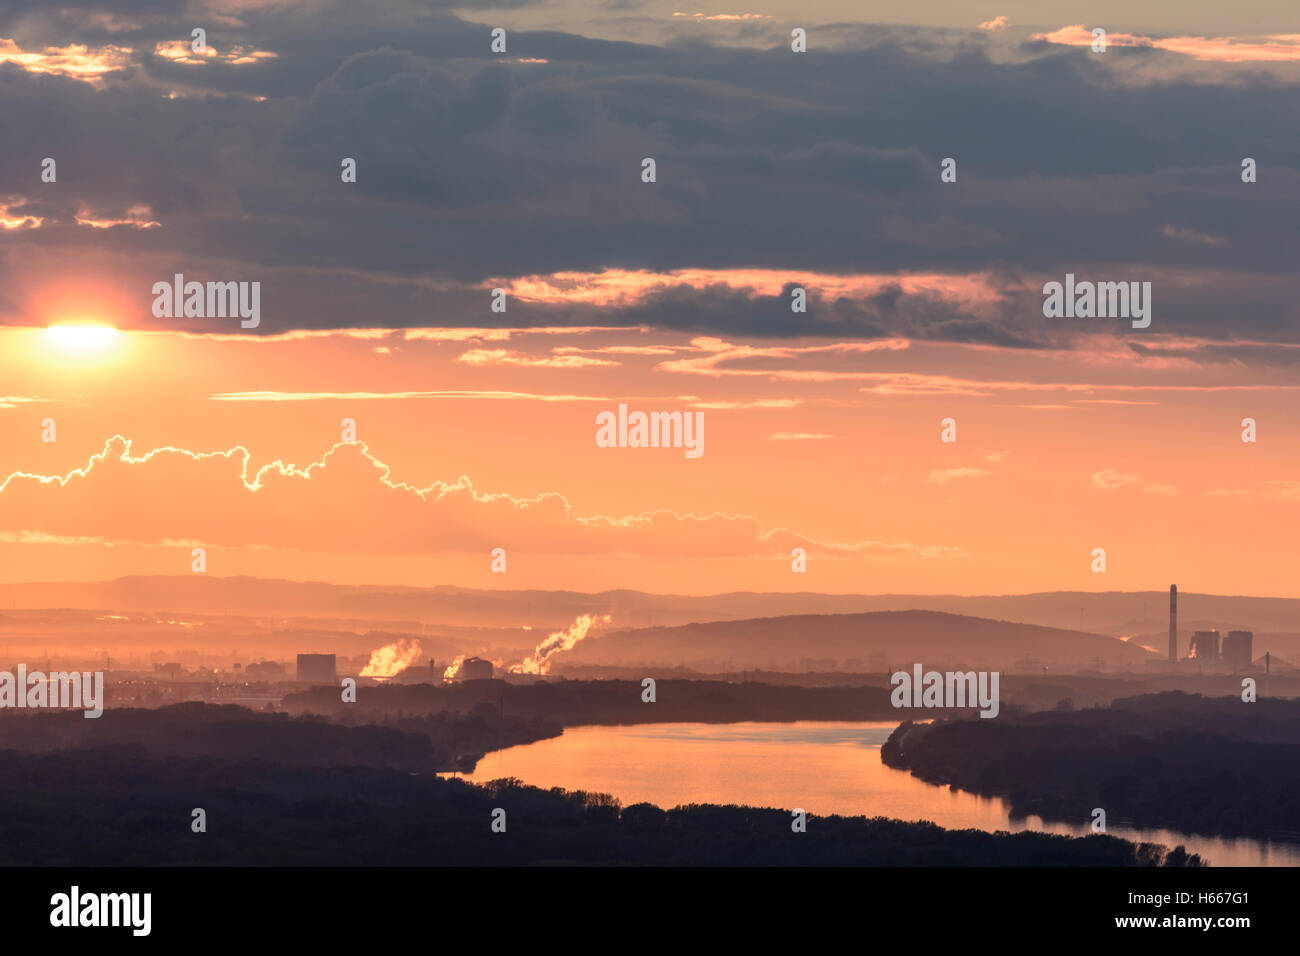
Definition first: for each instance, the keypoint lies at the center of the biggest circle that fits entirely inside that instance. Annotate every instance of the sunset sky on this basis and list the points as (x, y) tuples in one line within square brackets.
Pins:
[(522, 171)]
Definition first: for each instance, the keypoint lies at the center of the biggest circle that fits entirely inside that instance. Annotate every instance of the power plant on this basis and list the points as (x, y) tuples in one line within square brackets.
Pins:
[(1204, 652)]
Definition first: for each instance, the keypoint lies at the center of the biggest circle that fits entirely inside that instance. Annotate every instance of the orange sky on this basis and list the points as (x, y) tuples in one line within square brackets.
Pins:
[(393, 171), (1057, 453)]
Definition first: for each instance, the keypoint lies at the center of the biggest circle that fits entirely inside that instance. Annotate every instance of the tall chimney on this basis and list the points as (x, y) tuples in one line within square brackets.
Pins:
[(1173, 623)]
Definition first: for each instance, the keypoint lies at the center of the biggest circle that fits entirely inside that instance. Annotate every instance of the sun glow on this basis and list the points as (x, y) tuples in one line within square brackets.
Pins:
[(82, 338)]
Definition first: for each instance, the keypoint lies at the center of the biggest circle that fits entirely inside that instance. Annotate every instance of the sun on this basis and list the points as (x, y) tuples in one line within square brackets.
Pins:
[(82, 338)]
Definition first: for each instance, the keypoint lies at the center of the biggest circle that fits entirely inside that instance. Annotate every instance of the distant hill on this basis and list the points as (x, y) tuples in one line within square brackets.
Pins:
[(1111, 612), (879, 640)]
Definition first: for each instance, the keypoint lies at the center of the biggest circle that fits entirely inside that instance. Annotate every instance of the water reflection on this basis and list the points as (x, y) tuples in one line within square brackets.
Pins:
[(825, 768)]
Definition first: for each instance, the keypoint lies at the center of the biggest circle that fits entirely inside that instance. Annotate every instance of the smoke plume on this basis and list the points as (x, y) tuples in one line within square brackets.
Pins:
[(453, 668), (540, 660), (391, 659)]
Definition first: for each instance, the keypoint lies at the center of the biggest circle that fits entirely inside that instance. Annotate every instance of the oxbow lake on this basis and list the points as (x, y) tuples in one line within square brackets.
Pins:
[(823, 767)]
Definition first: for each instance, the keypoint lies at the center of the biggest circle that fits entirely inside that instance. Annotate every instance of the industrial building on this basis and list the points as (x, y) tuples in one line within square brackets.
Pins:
[(1238, 650), (317, 668), (1204, 646), (474, 668)]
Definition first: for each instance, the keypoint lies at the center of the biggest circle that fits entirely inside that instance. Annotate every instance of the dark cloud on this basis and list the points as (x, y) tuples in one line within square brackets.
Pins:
[(473, 166), (1213, 354)]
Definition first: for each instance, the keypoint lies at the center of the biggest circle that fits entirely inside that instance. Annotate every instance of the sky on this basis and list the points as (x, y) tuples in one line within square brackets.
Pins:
[(522, 171)]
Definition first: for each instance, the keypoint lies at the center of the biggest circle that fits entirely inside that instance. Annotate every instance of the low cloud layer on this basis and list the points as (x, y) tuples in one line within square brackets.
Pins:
[(348, 501)]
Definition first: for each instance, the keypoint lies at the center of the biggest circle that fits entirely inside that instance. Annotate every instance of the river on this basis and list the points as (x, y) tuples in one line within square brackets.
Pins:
[(821, 767)]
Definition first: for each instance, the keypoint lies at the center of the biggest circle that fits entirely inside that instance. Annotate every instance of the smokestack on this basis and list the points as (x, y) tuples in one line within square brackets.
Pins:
[(1173, 623)]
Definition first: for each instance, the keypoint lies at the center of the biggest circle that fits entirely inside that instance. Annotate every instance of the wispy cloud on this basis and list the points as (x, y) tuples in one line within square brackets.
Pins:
[(349, 501), (724, 16), (720, 359), (625, 287), (1192, 235), (1109, 479), (737, 404), (942, 477), (1276, 489), (13, 401), (270, 396), (76, 61), (182, 51), (1275, 48), (910, 383), (136, 217), (481, 357)]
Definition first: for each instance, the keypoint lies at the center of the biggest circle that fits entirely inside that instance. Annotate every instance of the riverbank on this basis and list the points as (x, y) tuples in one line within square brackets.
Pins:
[(1216, 766)]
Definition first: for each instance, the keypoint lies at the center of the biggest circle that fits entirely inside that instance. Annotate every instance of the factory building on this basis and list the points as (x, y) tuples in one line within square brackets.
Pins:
[(474, 668), (1205, 646), (317, 668), (1237, 650)]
